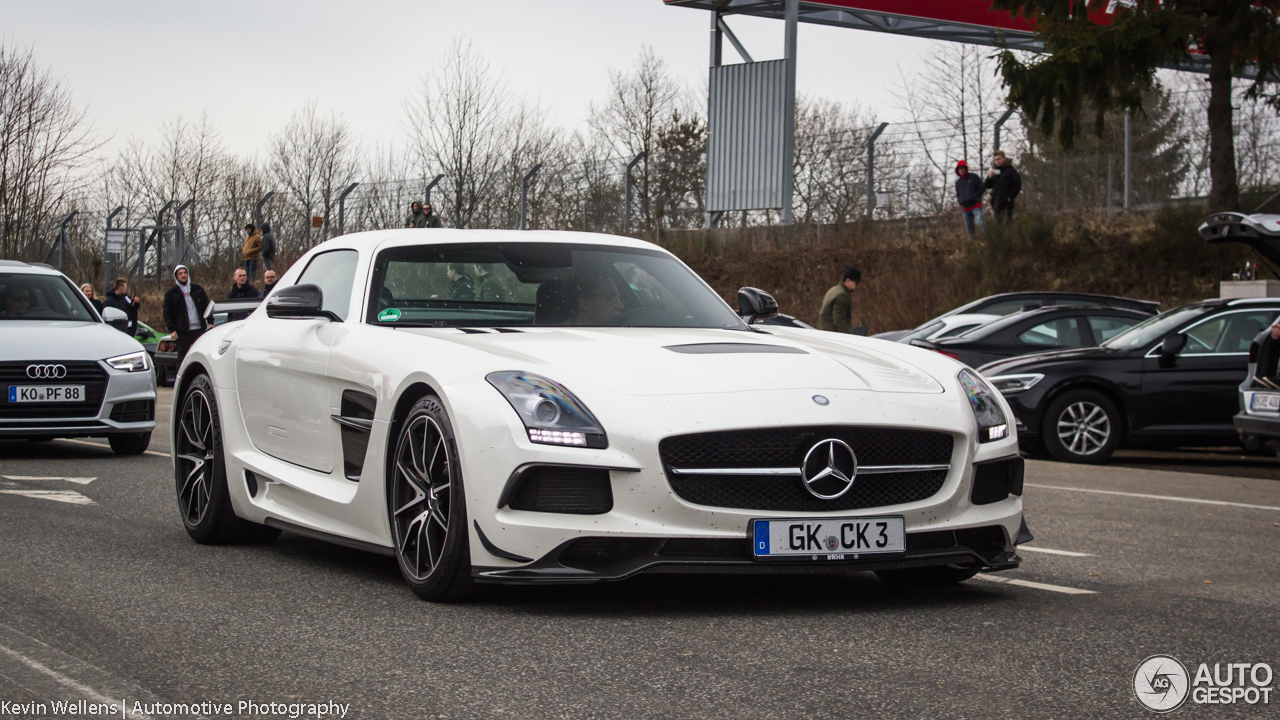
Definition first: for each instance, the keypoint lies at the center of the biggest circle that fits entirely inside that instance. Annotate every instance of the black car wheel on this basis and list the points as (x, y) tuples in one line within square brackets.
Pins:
[(200, 474), (129, 443), (427, 507), (1081, 426)]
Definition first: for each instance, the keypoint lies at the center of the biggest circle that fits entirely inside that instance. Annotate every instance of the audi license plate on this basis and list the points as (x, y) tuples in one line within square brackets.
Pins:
[(46, 393), (828, 538), (1265, 401)]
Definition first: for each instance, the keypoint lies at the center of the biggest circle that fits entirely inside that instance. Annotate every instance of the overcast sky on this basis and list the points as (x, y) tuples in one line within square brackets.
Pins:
[(251, 64)]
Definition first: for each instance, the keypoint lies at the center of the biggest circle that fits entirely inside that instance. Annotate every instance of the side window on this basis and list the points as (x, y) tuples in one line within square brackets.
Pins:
[(1105, 328), (1241, 329), (1203, 338), (1008, 307), (334, 273), (1060, 333)]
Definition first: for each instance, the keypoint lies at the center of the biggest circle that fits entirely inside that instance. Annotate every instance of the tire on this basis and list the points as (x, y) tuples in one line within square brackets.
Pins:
[(1081, 426), (200, 474), (130, 444), (934, 576), (427, 507)]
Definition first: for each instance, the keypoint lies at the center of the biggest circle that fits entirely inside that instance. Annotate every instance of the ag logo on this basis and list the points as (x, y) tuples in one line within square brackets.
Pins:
[(1160, 683)]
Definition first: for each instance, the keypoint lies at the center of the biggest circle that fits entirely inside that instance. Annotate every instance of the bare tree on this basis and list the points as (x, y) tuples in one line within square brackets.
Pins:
[(313, 159)]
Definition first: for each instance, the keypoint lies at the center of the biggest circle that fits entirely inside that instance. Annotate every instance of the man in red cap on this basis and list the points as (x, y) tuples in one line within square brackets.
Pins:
[(969, 190)]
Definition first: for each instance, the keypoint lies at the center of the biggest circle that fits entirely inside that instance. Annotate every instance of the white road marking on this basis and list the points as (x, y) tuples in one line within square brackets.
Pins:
[(1158, 497), (77, 480), (104, 445), (65, 681), (1036, 585), (66, 496), (1068, 553)]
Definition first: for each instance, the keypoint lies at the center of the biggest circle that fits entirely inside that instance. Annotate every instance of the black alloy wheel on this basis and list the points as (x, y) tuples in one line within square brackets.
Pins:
[(427, 507), (1081, 426), (200, 474)]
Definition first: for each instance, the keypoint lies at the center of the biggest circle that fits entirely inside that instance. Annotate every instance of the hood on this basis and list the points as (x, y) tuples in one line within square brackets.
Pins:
[(691, 361), (962, 164), (266, 227), (62, 340), (1028, 363)]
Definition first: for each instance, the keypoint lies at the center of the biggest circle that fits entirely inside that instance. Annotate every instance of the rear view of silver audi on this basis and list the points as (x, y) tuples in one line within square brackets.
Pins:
[(64, 370)]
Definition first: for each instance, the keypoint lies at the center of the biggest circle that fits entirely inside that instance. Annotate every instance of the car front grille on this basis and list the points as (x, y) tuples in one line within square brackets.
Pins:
[(79, 372), (926, 455)]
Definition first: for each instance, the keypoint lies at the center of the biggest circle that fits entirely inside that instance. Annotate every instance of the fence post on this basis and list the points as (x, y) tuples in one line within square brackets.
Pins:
[(181, 234), (109, 260), (792, 17), (995, 140), (430, 186), (342, 208), (871, 168), (1128, 157), (626, 227), (524, 196), (257, 209)]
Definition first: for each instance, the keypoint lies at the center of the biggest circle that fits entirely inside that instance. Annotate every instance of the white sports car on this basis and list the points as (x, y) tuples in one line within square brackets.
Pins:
[(541, 407)]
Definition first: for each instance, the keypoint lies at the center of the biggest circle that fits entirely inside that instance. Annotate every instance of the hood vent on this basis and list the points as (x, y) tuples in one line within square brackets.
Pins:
[(733, 348)]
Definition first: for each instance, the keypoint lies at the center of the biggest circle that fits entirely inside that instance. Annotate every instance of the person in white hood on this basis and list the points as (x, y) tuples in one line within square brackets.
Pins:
[(184, 306)]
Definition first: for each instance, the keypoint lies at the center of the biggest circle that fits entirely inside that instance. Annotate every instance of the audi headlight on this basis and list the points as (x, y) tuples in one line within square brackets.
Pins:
[(133, 362), (1010, 384), (992, 424), (551, 414)]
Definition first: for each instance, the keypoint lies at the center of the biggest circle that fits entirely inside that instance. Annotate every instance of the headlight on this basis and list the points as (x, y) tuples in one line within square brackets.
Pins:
[(1010, 384), (133, 362), (551, 414), (986, 408)]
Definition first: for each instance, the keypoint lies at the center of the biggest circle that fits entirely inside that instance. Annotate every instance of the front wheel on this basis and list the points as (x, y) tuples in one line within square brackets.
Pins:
[(1081, 426), (427, 507), (200, 474)]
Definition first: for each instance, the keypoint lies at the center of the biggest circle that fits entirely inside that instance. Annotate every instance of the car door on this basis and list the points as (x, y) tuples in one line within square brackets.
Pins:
[(281, 370), (1195, 392)]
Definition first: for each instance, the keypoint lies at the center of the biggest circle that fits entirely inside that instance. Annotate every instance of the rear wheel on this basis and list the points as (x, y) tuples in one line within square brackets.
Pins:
[(927, 576), (200, 474), (1081, 426), (130, 444), (427, 507)]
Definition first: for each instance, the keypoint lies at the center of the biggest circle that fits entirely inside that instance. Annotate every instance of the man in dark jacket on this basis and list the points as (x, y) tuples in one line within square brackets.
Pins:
[(1004, 183), (460, 285), (268, 283), (421, 216), (969, 192), (268, 246), (241, 288), (184, 306), (118, 297), (836, 313)]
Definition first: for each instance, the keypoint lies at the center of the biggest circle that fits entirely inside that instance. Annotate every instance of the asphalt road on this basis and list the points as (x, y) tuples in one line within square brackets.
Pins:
[(103, 596)]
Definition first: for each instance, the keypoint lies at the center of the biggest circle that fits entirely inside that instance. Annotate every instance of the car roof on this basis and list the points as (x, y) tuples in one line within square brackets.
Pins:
[(379, 239)]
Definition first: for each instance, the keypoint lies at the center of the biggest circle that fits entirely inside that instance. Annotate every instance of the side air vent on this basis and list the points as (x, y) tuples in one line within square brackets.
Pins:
[(357, 422), (996, 480)]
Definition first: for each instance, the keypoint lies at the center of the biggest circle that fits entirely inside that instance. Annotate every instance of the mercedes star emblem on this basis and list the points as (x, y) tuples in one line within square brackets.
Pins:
[(829, 469)]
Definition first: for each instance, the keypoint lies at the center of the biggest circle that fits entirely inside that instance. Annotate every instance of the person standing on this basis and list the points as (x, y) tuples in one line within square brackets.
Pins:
[(241, 288), (252, 251), (184, 306), (1004, 183), (268, 246), (969, 190), (420, 216), (119, 298), (268, 281), (87, 289), (836, 314)]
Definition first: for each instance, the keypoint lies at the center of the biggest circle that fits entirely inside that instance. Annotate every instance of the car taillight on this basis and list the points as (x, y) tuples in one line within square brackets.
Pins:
[(953, 356)]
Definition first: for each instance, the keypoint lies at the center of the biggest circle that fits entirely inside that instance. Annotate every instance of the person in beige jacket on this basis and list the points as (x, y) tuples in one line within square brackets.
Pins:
[(252, 251), (836, 314)]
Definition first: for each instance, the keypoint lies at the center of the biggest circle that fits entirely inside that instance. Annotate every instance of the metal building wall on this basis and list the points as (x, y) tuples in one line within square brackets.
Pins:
[(746, 136)]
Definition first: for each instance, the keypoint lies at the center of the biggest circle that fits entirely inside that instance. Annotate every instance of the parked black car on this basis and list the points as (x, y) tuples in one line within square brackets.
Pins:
[(1036, 331), (1169, 381), (1009, 303)]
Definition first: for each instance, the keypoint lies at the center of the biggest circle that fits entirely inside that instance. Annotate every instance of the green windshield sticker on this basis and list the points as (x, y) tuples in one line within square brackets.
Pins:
[(389, 315)]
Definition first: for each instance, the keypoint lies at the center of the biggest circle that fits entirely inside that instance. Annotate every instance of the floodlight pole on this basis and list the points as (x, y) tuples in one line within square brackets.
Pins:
[(108, 258), (1128, 157), (524, 196), (871, 168), (342, 208), (995, 140), (626, 228), (789, 112)]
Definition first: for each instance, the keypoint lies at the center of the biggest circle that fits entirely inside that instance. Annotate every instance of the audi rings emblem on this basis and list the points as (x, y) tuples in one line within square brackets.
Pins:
[(829, 469), (46, 372)]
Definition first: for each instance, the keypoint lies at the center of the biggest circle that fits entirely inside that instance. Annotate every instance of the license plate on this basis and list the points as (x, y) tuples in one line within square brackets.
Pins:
[(1265, 401), (828, 538), (46, 393)]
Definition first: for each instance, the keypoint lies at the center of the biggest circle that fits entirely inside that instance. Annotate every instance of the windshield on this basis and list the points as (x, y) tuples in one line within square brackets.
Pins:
[(540, 284), (1152, 329), (921, 333), (41, 297)]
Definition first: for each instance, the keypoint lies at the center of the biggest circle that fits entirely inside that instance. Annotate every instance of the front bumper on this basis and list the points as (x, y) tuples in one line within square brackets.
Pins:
[(128, 406)]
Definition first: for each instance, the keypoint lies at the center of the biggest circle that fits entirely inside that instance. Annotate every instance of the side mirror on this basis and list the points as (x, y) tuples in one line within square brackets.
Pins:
[(755, 304), (116, 318), (1171, 346), (298, 301)]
